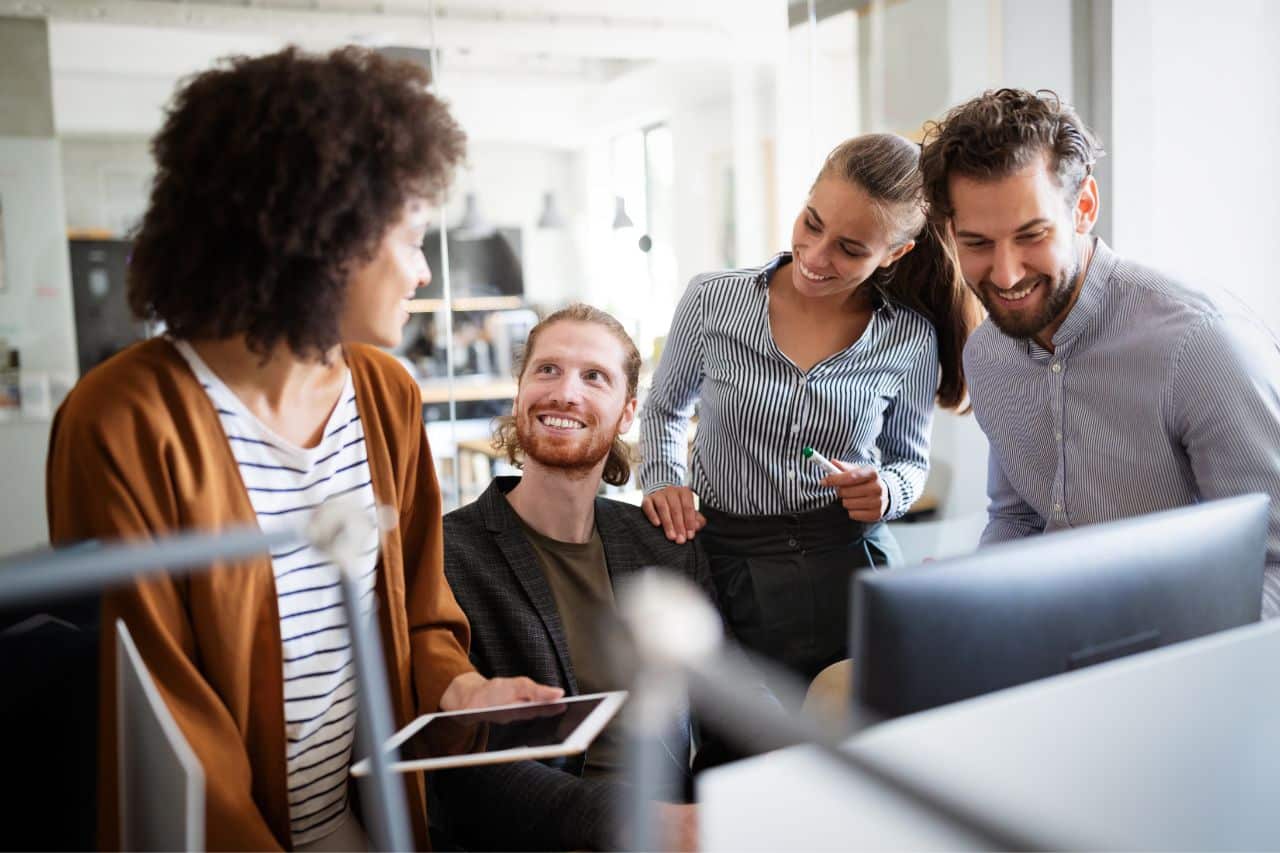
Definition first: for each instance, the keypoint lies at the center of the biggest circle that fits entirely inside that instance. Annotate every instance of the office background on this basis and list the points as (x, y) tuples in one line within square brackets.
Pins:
[(598, 125)]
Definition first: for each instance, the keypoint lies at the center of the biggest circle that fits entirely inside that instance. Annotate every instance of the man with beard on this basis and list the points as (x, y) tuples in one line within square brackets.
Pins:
[(533, 562), (1105, 388)]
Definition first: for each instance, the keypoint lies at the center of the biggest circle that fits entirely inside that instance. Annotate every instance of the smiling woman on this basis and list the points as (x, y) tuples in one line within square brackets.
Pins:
[(843, 343)]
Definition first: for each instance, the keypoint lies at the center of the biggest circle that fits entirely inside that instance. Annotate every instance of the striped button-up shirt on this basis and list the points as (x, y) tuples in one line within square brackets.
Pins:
[(1155, 396), (869, 404)]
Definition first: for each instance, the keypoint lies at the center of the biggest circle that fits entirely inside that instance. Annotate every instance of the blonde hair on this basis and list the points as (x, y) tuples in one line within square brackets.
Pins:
[(617, 467)]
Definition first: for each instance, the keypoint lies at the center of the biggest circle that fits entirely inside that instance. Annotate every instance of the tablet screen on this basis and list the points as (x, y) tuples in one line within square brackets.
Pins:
[(541, 724)]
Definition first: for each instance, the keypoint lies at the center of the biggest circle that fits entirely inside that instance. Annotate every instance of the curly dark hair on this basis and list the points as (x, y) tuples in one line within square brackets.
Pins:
[(506, 438), (275, 176), (1000, 132)]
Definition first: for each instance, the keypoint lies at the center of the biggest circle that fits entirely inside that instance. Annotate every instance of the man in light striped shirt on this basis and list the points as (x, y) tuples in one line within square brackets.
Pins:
[(1106, 389)]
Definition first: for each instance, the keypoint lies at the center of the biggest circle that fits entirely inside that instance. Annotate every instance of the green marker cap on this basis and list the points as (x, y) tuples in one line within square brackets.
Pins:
[(807, 452)]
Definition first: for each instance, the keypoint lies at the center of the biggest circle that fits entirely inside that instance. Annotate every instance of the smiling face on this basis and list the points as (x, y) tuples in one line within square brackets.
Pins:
[(375, 309), (839, 239), (1018, 243), (573, 399)]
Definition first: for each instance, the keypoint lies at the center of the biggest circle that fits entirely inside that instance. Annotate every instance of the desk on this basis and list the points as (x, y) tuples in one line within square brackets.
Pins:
[(1177, 748)]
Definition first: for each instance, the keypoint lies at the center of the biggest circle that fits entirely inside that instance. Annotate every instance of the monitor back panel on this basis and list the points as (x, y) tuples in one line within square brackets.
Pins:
[(1015, 612)]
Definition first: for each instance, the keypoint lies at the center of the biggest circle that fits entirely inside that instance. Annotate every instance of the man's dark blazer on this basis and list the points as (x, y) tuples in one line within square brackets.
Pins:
[(516, 630)]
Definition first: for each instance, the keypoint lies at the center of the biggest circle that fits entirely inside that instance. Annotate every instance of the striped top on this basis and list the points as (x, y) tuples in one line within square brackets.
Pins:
[(1155, 396), (869, 404), (284, 482)]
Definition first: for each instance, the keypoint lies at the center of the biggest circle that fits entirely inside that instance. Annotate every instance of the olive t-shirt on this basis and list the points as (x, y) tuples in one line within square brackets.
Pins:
[(579, 579)]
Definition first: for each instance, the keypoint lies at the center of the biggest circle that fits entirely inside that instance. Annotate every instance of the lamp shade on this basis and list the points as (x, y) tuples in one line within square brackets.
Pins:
[(620, 218), (550, 216), (472, 226)]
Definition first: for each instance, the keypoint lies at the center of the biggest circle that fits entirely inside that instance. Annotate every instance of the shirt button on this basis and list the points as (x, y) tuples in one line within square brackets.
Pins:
[(1057, 436), (791, 475), (1057, 508), (791, 542), (795, 427), (1056, 367)]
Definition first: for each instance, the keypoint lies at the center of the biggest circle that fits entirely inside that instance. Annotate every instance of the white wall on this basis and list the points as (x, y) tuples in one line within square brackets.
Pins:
[(1196, 110), (105, 181), (1036, 50), (35, 316), (35, 294)]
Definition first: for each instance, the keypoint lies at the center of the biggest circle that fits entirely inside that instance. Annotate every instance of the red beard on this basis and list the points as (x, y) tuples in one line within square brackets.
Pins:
[(579, 451)]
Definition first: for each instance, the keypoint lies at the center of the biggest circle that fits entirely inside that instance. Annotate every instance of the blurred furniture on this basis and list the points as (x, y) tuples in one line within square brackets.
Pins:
[(467, 389)]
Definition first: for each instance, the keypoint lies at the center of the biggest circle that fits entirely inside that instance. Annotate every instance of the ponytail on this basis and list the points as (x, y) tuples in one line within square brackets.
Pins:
[(927, 280)]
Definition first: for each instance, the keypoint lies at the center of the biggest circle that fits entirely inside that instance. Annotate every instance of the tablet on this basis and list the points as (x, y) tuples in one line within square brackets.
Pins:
[(499, 734)]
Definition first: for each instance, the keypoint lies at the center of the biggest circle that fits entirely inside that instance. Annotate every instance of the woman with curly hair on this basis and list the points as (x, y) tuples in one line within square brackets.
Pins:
[(282, 239)]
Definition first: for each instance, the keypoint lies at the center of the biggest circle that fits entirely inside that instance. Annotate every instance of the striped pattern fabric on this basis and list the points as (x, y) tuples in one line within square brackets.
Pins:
[(870, 404), (1155, 396), (284, 483)]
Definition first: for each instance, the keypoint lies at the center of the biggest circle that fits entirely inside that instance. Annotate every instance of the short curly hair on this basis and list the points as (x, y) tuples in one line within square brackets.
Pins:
[(998, 133), (275, 176)]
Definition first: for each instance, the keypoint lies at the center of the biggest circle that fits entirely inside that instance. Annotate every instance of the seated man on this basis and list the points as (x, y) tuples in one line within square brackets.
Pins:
[(533, 562), (1105, 388)]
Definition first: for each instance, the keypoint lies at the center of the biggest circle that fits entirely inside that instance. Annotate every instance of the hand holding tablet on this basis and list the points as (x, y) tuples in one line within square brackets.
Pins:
[(530, 730)]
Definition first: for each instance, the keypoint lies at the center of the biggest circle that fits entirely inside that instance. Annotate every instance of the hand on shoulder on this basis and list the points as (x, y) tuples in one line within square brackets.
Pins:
[(672, 508)]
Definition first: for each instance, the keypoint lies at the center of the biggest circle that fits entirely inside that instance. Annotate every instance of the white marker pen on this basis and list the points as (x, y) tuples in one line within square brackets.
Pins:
[(821, 461)]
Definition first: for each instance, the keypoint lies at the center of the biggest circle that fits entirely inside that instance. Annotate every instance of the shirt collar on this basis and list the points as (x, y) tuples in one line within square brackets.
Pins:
[(881, 302), (1088, 305)]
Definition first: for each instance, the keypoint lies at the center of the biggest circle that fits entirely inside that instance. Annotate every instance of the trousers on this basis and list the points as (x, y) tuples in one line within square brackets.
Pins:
[(783, 582)]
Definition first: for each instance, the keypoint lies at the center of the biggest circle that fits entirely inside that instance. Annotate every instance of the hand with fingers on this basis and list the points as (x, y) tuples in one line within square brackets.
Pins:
[(862, 493), (473, 690), (672, 509)]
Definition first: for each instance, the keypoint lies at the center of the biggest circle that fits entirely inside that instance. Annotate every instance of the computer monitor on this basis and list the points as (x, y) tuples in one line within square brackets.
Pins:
[(1015, 612)]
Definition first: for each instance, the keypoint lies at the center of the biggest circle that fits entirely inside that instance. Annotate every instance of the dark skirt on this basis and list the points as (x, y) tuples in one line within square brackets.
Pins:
[(783, 581)]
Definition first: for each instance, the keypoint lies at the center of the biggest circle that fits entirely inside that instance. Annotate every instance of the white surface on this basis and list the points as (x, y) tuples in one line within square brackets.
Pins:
[(795, 799), (161, 782), (577, 741), (1178, 748)]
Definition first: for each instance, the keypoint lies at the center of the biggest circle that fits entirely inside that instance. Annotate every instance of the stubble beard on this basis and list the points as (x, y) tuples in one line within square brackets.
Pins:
[(1025, 328)]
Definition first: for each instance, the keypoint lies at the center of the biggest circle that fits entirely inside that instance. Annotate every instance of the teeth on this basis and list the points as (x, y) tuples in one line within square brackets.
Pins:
[(804, 271), (562, 423), (1017, 295)]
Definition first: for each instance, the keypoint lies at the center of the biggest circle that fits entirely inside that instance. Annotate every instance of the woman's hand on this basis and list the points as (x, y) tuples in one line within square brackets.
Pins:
[(671, 508), (862, 493), (473, 690)]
